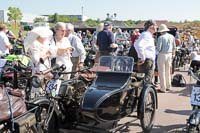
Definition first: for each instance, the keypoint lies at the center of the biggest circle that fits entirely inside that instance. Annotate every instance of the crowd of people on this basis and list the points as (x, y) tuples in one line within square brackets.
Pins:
[(64, 46)]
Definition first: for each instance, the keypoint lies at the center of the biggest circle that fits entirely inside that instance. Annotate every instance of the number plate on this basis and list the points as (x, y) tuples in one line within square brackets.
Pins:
[(53, 87), (195, 95)]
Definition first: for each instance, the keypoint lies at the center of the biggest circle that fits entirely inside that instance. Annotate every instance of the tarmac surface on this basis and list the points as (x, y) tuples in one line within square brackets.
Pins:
[(173, 110)]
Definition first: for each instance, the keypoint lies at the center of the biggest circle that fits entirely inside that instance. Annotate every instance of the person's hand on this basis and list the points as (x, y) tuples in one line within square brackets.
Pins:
[(140, 62), (114, 45), (69, 50), (48, 53), (80, 65)]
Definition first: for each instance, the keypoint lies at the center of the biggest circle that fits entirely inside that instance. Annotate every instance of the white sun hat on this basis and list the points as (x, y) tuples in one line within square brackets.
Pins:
[(163, 28), (42, 32)]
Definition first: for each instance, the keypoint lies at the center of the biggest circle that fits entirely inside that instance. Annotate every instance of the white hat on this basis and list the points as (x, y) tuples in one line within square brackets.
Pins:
[(42, 32), (136, 30), (163, 28)]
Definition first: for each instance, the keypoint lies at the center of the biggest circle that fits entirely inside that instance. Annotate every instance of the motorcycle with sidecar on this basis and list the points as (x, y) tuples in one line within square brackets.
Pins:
[(115, 93)]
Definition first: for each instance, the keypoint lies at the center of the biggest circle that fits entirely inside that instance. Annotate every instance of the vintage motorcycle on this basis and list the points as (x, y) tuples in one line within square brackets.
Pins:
[(115, 93), (18, 47), (17, 72), (90, 58), (193, 123), (181, 58), (14, 115)]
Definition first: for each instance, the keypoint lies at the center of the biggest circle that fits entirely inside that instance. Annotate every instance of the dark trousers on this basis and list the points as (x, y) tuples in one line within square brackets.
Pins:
[(148, 69), (106, 53)]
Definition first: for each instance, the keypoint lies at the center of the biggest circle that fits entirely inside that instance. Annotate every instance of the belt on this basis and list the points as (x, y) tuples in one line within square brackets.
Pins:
[(75, 57), (146, 59), (165, 52), (149, 59)]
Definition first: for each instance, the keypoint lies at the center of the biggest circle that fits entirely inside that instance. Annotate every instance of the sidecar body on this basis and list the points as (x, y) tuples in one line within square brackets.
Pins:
[(110, 97)]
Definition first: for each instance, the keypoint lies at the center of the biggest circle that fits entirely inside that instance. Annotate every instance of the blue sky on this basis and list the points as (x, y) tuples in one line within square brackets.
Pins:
[(173, 10)]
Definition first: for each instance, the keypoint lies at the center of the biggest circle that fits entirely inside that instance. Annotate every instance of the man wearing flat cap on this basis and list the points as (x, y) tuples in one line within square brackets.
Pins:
[(166, 49), (145, 48), (106, 41)]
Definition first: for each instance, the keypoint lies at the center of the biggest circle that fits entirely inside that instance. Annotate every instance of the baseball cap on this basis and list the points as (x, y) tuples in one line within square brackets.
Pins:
[(107, 23)]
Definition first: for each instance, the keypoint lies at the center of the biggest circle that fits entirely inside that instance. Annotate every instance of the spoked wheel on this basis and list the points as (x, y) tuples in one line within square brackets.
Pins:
[(41, 115), (192, 127), (148, 109)]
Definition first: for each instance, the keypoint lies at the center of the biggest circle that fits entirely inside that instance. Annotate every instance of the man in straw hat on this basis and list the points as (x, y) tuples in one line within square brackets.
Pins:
[(166, 49), (145, 48)]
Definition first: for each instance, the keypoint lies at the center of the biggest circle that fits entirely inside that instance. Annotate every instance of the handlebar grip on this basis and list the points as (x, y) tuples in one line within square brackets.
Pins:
[(51, 69), (82, 70)]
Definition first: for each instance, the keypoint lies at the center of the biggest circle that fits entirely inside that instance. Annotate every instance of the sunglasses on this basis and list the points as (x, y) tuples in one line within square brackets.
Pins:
[(60, 30)]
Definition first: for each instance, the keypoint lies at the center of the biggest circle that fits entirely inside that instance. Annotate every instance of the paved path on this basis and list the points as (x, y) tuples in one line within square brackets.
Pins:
[(173, 110)]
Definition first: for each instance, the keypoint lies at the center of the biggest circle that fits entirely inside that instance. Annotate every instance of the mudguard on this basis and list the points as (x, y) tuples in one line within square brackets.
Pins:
[(38, 101)]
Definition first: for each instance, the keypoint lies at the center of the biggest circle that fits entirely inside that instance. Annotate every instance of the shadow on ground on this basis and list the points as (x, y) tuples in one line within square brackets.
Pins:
[(179, 112), (180, 128)]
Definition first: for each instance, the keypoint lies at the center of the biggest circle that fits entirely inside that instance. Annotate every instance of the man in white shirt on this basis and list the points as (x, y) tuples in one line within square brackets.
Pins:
[(145, 48), (79, 53), (4, 42)]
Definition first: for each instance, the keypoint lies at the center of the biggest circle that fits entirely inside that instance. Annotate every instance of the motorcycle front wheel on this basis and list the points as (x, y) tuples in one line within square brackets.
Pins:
[(41, 115)]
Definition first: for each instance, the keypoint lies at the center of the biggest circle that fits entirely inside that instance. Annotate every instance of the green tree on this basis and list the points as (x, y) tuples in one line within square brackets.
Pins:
[(92, 23), (14, 14), (61, 18), (73, 19), (39, 19), (53, 18), (130, 22)]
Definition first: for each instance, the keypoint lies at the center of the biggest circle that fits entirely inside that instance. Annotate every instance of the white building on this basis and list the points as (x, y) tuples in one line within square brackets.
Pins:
[(3, 16), (27, 17)]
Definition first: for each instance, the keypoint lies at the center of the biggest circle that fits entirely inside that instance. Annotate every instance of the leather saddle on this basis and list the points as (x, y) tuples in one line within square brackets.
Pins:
[(17, 104)]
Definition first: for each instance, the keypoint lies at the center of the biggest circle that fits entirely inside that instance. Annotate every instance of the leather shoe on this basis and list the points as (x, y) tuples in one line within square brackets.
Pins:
[(168, 89), (160, 91)]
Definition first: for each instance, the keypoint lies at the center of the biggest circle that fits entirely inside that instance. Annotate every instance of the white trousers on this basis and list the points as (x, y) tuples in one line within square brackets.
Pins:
[(164, 66)]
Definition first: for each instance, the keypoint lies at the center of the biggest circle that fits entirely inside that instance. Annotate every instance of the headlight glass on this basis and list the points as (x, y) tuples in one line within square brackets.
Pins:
[(36, 82)]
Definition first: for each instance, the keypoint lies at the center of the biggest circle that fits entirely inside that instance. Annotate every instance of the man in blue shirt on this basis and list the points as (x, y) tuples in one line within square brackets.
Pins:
[(106, 41)]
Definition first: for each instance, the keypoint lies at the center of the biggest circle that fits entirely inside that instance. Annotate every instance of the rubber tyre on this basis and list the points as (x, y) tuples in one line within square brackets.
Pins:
[(148, 105), (53, 124)]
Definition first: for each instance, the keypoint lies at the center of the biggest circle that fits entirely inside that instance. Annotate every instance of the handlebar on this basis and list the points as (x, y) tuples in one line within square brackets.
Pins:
[(15, 70), (194, 74), (51, 69), (82, 70)]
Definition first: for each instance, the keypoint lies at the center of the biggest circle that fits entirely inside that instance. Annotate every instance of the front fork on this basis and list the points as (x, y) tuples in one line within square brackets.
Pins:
[(53, 107)]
